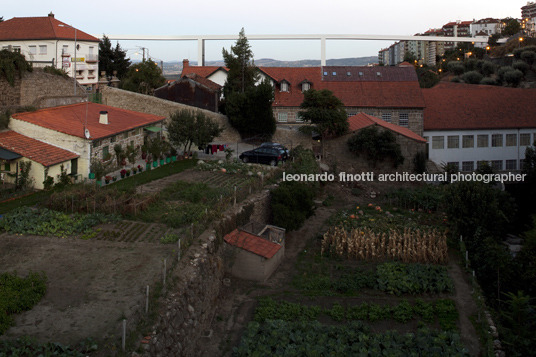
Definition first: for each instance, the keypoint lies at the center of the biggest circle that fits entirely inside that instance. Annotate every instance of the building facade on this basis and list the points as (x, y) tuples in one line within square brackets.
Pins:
[(45, 41)]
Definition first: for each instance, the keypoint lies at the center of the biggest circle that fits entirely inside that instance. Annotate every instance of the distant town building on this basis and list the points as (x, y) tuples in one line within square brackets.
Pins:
[(528, 15), (456, 29), (45, 41)]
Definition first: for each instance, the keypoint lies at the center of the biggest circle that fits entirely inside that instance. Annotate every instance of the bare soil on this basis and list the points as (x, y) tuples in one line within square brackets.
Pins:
[(92, 285)]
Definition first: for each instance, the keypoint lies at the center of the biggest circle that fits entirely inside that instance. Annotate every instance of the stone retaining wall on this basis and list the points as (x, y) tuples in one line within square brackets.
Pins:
[(187, 309)]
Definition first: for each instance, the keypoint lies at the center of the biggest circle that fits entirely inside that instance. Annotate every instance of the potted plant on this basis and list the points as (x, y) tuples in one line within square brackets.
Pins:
[(107, 179), (127, 171), (173, 153), (134, 170), (148, 163), (144, 151), (140, 168), (123, 173), (98, 168), (91, 175), (114, 178)]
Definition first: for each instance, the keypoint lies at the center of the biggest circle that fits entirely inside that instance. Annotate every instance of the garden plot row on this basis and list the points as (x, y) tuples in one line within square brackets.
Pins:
[(132, 231), (224, 180)]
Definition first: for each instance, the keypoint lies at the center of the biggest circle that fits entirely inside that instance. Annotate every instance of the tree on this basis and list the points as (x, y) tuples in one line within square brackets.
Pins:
[(143, 77), (1, 18), (376, 145), (111, 60), (187, 128), (472, 77), (243, 73), (247, 105), (511, 26), (325, 111), (11, 64)]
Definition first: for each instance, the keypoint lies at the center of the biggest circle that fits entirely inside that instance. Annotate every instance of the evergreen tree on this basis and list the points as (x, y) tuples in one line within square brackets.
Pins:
[(120, 61), (242, 71), (112, 59), (248, 107)]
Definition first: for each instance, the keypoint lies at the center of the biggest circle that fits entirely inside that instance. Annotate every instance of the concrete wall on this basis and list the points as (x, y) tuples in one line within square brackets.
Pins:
[(336, 151), (251, 266), (37, 172)]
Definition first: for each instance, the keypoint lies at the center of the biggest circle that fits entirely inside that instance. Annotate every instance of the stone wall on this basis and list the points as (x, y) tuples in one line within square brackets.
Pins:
[(336, 151), (188, 307), (40, 90), (148, 104)]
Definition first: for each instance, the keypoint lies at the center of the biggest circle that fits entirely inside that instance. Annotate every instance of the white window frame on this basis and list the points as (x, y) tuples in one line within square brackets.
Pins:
[(524, 139), (480, 140), (438, 142), (511, 139), (284, 87), (465, 165), (32, 49), (403, 120), (468, 141), (453, 141), (43, 49), (282, 117), (386, 117), (497, 140)]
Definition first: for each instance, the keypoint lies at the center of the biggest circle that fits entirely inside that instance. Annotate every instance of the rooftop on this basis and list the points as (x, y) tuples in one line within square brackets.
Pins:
[(35, 150), (363, 120), (73, 119), (252, 243), (454, 106), (40, 28)]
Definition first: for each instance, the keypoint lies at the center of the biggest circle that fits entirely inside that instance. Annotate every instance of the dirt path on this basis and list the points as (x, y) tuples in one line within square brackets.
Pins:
[(465, 304)]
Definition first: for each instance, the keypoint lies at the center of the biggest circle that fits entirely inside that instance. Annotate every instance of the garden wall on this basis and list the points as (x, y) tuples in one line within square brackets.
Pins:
[(186, 311)]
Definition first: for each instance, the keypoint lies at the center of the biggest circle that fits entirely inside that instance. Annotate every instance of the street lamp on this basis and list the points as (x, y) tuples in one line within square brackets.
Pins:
[(74, 74), (520, 40)]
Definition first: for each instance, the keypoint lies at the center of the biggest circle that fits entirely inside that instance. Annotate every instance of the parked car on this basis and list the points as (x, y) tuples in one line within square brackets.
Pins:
[(278, 146), (264, 155)]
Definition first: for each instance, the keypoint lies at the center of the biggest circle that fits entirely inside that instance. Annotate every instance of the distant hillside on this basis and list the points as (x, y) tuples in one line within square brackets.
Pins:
[(173, 68)]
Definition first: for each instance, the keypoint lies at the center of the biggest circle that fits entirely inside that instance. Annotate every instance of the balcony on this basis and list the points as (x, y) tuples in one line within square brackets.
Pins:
[(92, 58)]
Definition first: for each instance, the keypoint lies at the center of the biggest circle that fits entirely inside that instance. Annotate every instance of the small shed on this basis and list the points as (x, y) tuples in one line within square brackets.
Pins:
[(255, 255)]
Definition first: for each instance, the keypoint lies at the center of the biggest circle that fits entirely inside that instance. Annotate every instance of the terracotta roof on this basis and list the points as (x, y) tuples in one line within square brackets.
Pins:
[(69, 119), (369, 74), (362, 120), (35, 150), (203, 71), (203, 81), (453, 106), (252, 243), (462, 23), (40, 28)]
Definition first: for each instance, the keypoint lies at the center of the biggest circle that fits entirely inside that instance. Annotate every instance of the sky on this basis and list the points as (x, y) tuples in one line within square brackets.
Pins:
[(210, 17)]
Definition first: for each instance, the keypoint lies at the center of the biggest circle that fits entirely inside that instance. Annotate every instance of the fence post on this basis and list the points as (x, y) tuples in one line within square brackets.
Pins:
[(466, 259), (179, 251), (147, 301), (124, 334), (192, 230), (234, 204), (165, 261)]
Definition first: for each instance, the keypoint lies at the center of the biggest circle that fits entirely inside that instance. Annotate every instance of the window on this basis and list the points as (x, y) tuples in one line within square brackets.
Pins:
[(96, 143), (521, 164), (348, 74), (511, 139), (284, 87), (497, 165), (511, 164), (282, 117), (524, 139), (425, 138), (453, 141), (306, 86), (497, 140), (125, 135), (299, 118), (386, 117), (16, 49), (7, 167), (350, 114), (403, 119), (112, 139), (438, 142), (468, 166), (454, 164), (468, 141), (33, 49), (334, 73), (105, 152), (482, 141), (65, 49), (42, 49), (325, 73)]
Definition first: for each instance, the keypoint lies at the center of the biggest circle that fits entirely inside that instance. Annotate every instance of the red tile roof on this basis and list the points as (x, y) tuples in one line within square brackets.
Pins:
[(396, 87), (252, 243), (204, 81), (203, 71), (35, 150), (40, 28), (69, 119), (362, 120), (454, 106)]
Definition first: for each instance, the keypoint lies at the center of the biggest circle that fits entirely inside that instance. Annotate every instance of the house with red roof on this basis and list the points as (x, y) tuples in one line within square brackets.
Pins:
[(466, 124), (336, 150), (46, 41), (256, 255), (76, 134), (390, 93)]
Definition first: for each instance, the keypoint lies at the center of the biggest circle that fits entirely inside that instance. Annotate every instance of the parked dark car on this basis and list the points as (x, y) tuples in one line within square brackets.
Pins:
[(278, 146), (264, 155)]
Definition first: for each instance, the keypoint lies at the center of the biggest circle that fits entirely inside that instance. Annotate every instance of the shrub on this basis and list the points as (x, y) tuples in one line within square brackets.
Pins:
[(376, 145), (292, 204), (488, 68), (488, 81), (522, 66), (513, 78), (472, 77), (529, 57), (455, 67)]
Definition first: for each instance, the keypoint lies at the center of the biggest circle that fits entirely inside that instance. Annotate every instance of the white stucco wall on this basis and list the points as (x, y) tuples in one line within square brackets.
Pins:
[(87, 64), (71, 143), (218, 77), (475, 154)]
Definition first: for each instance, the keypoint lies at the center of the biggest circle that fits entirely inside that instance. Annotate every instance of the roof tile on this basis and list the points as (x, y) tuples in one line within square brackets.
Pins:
[(40, 28), (362, 120), (252, 243)]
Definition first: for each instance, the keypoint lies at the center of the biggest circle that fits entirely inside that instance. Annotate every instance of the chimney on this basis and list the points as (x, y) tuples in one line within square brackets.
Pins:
[(185, 65), (103, 118), (51, 15)]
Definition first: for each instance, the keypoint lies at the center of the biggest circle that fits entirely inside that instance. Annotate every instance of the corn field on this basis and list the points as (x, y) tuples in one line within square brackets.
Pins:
[(409, 246)]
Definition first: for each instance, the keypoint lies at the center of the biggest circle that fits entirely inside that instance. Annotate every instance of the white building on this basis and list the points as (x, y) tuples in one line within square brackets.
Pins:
[(465, 124), (45, 41)]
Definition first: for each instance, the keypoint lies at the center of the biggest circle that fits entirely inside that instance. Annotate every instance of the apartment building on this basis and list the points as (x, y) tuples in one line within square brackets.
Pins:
[(46, 41), (456, 29)]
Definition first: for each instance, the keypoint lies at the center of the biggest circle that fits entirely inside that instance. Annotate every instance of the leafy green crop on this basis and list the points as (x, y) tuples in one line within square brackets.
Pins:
[(398, 278), (19, 294), (26, 346), (300, 338), (45, 222)]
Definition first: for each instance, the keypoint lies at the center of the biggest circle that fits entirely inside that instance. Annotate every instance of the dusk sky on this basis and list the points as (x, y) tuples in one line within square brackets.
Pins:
[(274, 17)]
